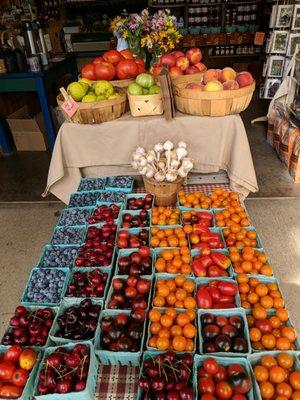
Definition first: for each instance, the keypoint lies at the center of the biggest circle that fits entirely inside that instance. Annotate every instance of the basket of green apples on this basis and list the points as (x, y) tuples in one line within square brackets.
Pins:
[(144, 96), (97, 102)]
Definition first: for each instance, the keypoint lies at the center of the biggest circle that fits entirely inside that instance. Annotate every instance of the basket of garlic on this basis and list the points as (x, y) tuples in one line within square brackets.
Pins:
[(164, 169)]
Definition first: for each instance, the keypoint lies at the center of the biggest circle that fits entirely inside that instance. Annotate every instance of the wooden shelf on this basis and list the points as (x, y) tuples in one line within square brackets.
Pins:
[(237, 55), (166, 5)]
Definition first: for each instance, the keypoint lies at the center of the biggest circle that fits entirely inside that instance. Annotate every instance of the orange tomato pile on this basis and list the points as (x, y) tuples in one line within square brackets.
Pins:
[(165, 216), (174, 261), (271, 333), (238, 237), (194, 200), (260, 296), (170, 237), (221, 198), (172, 330), (249, 261), (176, 292), (277, 377), (232, 216)]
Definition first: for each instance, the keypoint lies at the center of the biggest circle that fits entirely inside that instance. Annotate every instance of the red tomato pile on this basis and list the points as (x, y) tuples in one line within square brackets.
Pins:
[(15, 367), (211, 264), (113, 65), (217, 294), (216, 381)]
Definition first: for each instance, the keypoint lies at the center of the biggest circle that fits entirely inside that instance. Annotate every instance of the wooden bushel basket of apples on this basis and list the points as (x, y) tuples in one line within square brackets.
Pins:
[(183, 67), (219, 93)]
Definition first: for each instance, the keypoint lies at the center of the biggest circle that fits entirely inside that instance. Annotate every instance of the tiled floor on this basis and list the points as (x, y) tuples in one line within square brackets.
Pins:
[(23, 175)]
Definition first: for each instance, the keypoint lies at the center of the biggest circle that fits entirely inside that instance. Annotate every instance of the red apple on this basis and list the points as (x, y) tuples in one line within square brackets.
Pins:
[(178, 54), (192, 70), (201, 67), (183, 63), (193, 86), (194, 55), (168, 60), (244, 79), (175, 71)]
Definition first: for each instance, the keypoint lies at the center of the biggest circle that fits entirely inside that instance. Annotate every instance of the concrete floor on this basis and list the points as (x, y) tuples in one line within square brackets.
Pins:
[(23, 175)]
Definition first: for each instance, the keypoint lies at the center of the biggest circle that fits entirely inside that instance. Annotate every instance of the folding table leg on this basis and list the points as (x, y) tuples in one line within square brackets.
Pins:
[(5, 140), (46, 111)]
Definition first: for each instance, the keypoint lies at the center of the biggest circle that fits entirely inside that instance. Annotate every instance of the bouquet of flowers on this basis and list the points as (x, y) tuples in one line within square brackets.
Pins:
[(131, 27), (162, 32)]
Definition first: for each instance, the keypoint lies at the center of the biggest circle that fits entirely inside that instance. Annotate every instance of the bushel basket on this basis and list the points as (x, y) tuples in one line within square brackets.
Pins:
[(165, 192), (177, 80), (148, 104), (98, 111), (214, 104)]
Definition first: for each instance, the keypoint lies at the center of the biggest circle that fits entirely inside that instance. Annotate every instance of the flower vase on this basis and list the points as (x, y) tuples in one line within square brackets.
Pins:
[(134, 45), (156, 54)]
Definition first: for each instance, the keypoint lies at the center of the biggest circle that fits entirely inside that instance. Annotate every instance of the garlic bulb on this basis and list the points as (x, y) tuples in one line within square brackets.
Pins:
[(136, 156), (159, 176), (140, 150), (171, 176), (150, 158), (168, 146), (150, 173), (174, 163), (182, 172), (143, 171), (142, 161), (181, 152), (134, 165), (187, 163), (182, 144), (162, 165)]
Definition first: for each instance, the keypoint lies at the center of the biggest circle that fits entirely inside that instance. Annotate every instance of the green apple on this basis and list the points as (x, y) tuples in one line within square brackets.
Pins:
[(113, 96), (85, 86), (154, 89), (145, 80), (135, 89), (103, 87), (89, 98), (85, 80), (101, 97), (145, 91), (76, 90)]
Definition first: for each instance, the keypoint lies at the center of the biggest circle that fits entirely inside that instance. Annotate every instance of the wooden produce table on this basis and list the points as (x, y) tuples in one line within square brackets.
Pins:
[(104, 150), (39, 82)]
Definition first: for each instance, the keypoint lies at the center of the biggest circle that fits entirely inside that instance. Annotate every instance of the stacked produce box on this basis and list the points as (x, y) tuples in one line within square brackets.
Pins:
[(186, 292)]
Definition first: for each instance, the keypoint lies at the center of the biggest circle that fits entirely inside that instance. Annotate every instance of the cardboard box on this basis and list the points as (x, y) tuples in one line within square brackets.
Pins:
[(28, 129)]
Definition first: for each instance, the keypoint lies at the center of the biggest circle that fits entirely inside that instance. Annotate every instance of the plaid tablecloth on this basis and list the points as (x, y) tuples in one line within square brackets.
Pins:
[(117, 383)]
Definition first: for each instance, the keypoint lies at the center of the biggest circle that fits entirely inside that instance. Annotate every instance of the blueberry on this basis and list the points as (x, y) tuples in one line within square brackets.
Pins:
[(120, 181), (83, 199), (91, 184), (74, 216), (111, 196), (68, 235)]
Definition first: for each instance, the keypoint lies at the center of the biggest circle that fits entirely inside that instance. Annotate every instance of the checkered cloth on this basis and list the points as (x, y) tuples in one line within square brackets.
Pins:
[(117, 383), (120, 382)]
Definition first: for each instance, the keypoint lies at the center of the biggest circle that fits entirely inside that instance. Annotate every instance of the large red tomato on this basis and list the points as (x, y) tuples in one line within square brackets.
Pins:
[(8, 391), (88, 72), (127, 69), (140, 61), (113, 56), (20, 377), (97, 60), (13, 353), (127, 54), (105, 70), (141, 69), (7, 368)]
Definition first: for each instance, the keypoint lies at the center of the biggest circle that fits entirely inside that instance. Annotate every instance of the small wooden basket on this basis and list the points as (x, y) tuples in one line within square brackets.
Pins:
[(148, 104), (98, 111), (214, 104), (165, 192)]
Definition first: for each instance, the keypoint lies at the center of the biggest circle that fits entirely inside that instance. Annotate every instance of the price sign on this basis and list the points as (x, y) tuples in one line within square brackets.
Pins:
[(69, 106)]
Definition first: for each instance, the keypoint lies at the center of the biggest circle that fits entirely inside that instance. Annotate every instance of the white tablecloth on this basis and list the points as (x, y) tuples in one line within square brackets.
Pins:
[(104, 150)]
